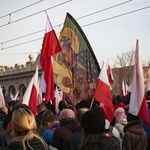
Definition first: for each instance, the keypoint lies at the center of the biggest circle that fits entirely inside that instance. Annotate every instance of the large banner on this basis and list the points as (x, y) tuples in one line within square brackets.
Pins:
[(75, 68)]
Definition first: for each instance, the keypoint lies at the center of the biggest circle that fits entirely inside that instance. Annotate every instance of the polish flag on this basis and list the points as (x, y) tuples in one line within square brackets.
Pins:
[(110, 75), (128, 88), (138, 105), (30, 97), (50, 46), (57, 99), (2, 100), (103, 94), (16, 96), (148, 83), (123, 91), (62, 95)]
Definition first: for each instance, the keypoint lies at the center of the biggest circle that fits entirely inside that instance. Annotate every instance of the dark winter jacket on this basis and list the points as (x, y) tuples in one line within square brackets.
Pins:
[(105, 143), (72, 142), (66, 128), (135, 137), (34, 143)]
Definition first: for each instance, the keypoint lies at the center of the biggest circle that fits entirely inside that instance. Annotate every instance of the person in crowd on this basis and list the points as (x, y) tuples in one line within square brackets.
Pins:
[(3, 114), (6, 136), (24, 131), (145, 126), (45, 121), (51, 106), (119, 102), (112, 132), (67, 125), (8, 117), (121, 120), (62, 105), (148, 95), (135, 137), (40, 110), (83, 104), (72, 142), (53, 124), (93, 123)]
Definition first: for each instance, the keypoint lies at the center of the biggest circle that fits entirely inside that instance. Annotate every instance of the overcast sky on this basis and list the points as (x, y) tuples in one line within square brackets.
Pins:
[(108, 35)]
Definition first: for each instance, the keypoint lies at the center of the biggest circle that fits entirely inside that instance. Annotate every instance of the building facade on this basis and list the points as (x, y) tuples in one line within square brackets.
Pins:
[(16, 79)]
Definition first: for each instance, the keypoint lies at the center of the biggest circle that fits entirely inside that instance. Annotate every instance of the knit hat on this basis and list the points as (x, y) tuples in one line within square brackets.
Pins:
[(131, 117), (93, 121)]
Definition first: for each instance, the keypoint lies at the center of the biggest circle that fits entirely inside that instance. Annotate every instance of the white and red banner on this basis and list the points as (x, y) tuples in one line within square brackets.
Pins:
[(138, 105), (30, 97), (103, 93), (50, 46), (110, 74)]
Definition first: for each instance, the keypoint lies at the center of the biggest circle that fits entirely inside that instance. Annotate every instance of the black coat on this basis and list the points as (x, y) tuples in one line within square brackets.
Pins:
[(72, 142), (105, 143), (66, 128), (34, 143)]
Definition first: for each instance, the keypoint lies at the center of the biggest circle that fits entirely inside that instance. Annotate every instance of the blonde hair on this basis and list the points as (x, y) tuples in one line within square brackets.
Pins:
[(24, 127)]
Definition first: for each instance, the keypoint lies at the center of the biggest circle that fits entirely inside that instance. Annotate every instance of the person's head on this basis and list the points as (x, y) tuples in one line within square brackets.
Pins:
[(83, 104), (13, 103), (119, 98), (4, 109), (41, 107), (23, 121), (67, 114), (131, 117), (93, 123), (24, 126), (148, 95), (62, 105), (46, 115), (120, 115), (52, 120), (79, 114)]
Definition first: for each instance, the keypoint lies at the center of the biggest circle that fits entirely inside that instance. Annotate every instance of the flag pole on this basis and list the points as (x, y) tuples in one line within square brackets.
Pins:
[(92, 103)]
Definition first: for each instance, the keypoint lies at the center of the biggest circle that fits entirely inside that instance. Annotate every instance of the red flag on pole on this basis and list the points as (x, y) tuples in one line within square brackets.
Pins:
[(49, 48), (138, 106), (110, 75), (30, 97), (123, 89), (103, 93)]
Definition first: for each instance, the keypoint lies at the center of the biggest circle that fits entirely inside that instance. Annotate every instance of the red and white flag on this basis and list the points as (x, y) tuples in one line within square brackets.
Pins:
[(128, 88), (103, 94), (57, 99), (30, 97), (16, 96), (50, 46), (138, 105), (123, 89), (110, 74), (2, 100), (148, 82)]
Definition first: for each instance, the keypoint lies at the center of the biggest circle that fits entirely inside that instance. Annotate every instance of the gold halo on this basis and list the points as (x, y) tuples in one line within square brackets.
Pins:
[(72, 35)]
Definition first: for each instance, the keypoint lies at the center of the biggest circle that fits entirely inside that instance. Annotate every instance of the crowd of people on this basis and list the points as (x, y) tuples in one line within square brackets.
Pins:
[(84, 127)]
